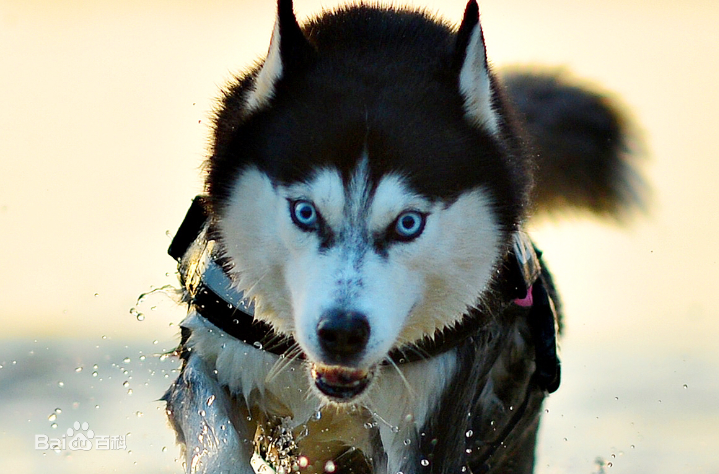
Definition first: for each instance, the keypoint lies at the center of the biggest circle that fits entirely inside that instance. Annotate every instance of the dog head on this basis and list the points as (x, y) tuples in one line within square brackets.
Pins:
[(363, 192)]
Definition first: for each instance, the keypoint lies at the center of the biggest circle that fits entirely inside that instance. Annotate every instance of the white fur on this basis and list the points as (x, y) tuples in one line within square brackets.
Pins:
[(475, 86), (407, 408), (417, 288), (263, 88), (397, 405), (244, 369), (251, 223)]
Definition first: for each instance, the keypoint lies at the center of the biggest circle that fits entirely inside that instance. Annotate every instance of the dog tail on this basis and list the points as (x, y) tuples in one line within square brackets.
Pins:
[(586, 157)]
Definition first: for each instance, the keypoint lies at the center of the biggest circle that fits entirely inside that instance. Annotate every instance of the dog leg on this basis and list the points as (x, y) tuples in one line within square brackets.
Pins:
[(199, 410)]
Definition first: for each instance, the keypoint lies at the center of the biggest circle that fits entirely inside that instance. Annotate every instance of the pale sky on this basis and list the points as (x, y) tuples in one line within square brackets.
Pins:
[(104, 112)]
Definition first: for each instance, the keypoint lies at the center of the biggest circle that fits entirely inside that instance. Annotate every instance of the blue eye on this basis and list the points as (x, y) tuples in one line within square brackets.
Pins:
[(304, 214), (409, 225)]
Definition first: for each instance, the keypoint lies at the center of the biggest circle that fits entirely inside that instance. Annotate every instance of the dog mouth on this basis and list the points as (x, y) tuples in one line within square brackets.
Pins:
[(340, 384)]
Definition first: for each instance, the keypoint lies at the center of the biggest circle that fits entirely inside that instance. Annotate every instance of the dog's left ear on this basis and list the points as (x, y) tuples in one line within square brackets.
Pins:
[(289, 51), (474, 76)]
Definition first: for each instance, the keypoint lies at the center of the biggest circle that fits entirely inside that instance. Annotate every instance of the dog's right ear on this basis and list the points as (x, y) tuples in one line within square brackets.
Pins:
[(289, 51), (475, 82)]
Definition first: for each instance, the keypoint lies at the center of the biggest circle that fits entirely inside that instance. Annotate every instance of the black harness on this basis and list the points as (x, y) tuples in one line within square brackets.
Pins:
[(212, 296)]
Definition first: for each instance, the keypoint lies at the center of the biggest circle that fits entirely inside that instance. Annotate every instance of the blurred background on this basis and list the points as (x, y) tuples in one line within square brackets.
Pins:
[(104, 123)]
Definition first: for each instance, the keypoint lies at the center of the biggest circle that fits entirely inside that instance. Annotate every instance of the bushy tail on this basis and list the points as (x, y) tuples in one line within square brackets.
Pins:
[(585, 159)]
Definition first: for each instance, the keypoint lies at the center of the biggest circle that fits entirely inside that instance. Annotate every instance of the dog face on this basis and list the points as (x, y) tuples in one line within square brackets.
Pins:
[(353, 271)]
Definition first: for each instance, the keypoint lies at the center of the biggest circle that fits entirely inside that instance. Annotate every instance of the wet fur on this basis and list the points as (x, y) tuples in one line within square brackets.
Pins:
[(365, 133)]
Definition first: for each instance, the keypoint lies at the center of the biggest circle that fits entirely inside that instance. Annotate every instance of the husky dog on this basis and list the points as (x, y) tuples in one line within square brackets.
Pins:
[(363, 297)]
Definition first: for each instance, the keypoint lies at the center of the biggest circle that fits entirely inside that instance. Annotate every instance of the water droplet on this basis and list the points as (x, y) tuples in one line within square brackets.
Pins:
[(424, 462), (616, 398), (685, 386), (129, 391), (96, 295), (330, 466), (126, 360), (201, 412), (409, 418), (58, 410), (78, 369), (407, 442), (52, 417), (53, 426), (164, 449), (125, 384), (318, 415), (609, 464), (469, 433), (155, 341), (210, 400), (61, 384), (395, 429), (303, 462), (258, 345), (94, 374), (142, 357), (138, 315), (139, 414)]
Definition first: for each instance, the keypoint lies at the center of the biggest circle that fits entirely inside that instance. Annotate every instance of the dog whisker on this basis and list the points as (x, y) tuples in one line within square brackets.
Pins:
[(290, 356), (406, 383), (421, 353)]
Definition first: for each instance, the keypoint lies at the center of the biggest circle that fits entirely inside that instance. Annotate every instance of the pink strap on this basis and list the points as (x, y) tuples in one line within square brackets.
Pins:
[(527, 301)]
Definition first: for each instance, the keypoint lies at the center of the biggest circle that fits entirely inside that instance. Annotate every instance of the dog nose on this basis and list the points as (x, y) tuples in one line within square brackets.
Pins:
[(343, 334)]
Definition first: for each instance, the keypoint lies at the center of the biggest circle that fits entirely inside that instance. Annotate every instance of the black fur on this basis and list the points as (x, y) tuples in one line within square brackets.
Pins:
[(400, 102), (586, 158)]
